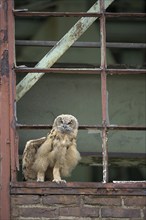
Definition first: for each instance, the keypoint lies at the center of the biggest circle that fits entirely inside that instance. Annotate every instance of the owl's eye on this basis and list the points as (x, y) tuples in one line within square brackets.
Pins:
[(60, 120), (70, 122)]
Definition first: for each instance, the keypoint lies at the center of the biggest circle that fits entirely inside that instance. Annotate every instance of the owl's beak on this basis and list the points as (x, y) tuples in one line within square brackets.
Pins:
[(65, 126)]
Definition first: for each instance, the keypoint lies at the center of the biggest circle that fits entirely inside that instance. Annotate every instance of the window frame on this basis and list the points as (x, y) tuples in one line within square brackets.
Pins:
[(8, 138), (103, 71)]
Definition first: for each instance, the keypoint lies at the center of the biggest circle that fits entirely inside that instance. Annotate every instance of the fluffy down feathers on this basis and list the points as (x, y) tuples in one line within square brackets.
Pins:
[(54, 156)]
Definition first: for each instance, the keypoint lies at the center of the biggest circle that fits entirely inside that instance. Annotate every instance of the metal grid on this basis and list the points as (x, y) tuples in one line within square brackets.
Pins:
[(103, 70)]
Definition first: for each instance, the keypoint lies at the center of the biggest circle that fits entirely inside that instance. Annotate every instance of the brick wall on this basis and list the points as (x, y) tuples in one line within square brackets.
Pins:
[(31, 207)]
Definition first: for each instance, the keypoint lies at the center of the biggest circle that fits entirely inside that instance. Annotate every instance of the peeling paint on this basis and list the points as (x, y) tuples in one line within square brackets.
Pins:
[(4, 64), (5, 10), (3, 36)]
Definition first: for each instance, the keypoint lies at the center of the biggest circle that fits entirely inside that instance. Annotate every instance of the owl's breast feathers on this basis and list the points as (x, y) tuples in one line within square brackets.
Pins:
[(64, 151), (62, 140)]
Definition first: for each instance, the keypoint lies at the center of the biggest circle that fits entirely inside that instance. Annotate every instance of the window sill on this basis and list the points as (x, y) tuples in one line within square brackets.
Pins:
[(80, 188)]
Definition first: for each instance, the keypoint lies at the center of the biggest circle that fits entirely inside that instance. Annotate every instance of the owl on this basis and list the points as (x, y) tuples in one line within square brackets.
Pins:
[(54, 156)]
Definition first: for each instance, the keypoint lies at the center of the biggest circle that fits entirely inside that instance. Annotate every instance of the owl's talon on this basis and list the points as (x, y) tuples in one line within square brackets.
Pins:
[(40, 180), (58, 181)]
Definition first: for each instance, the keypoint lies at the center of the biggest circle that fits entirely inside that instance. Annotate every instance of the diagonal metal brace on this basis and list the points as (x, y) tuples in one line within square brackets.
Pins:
[(58, 50)]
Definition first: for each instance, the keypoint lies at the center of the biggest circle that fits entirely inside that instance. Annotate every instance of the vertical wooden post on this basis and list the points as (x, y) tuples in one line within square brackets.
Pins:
[(6, 104)]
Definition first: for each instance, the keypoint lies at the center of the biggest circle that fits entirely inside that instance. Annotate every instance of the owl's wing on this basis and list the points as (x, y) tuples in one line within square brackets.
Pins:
[(28, 157)]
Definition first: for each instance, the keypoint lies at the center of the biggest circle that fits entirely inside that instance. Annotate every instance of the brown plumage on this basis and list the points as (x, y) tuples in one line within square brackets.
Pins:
[(54, 156)]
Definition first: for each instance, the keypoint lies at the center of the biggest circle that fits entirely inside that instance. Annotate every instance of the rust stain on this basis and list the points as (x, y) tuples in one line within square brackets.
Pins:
[(5, 10), (4, 64), (3, 36), (79, 28)]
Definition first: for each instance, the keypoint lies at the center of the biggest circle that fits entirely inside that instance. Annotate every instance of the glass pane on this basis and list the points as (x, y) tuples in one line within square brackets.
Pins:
[(127, 6), (127, 141), (127, 155), (127, 99)]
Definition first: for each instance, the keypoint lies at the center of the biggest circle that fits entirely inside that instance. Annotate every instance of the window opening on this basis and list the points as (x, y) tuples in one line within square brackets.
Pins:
[(103, 72)]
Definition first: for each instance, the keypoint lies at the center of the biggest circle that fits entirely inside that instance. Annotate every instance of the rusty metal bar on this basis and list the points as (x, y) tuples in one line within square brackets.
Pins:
[(125, 71), (80, 44), (124, 127), (84, 127), (52, 43), (7, 84), (4, 117), (54, 14), (58, 70), (12, 94), (79, 70), (123, 14), (112, 155), (26, 13), (104, 92), (115, 155)]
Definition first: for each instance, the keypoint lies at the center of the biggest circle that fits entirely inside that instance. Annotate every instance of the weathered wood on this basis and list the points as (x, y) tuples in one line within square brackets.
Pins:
[(58, 50)]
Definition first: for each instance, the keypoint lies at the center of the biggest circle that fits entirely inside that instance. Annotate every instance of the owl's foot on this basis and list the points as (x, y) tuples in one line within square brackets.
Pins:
[(40, 177), (58, 181), (40, 180)]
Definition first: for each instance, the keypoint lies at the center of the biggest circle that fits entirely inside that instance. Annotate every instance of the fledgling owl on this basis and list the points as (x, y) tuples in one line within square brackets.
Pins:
[(54, 156)]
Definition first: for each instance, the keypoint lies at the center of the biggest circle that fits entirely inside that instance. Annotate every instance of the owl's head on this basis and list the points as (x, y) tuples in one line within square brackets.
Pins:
[(66, 124)]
